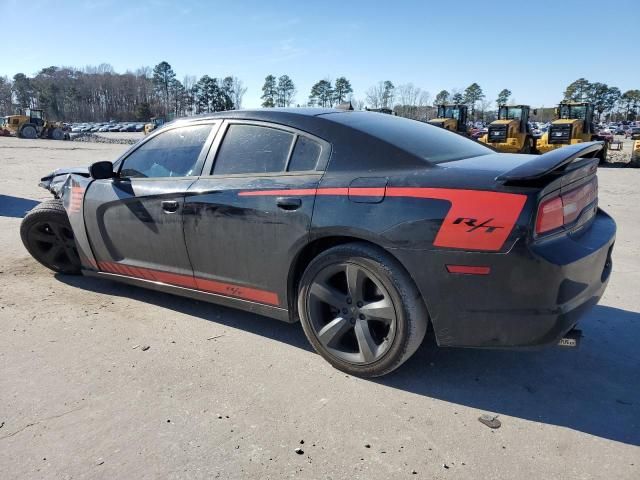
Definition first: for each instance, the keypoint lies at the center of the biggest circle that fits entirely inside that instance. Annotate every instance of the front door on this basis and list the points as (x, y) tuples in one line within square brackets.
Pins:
[(134, 221), (244, 222)]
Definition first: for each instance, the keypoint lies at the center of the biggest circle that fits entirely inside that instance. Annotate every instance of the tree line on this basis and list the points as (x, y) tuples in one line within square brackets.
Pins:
[(99, 93)]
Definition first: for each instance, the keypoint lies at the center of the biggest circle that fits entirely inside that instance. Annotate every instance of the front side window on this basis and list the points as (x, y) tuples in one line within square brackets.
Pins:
[(173, 153), (253, 149)]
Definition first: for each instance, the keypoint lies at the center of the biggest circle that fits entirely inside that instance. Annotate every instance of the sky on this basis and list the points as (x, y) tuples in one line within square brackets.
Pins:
[(535, 49)]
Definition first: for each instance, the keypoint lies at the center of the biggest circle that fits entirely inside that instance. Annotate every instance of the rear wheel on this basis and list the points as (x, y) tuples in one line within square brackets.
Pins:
[(29, 131), (47, 235), (360, 310)]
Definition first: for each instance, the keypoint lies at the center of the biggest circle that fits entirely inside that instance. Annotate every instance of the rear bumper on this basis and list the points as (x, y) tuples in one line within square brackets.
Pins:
[(531, 297)]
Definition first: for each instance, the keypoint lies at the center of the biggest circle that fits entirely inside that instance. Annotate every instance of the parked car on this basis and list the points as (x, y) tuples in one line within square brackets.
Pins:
[(139, 127), (114, 128), (365, 227), (606, 135)]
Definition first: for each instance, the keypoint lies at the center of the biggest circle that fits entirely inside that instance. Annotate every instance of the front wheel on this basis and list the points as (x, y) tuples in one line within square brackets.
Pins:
[(57, 134), (47, 235), (360, 310), (29, 131)]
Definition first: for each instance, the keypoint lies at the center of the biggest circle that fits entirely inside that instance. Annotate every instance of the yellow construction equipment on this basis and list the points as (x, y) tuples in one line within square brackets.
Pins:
[(573, 124), (635, 154), (156, 122), (510, 133), (30, 123), (451, 117)]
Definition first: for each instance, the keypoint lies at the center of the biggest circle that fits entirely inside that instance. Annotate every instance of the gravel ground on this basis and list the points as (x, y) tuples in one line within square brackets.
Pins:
[(124, 138), (227, 394)]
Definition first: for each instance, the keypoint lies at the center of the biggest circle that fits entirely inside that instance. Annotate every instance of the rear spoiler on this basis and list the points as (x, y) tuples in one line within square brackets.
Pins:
[(551, 162)]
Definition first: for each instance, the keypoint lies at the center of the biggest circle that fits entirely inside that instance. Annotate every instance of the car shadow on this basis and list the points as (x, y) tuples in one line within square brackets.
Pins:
[(15, 206), (594, 389), (230, 317)]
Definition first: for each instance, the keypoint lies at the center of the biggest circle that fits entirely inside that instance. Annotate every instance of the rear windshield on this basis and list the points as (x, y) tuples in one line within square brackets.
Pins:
[(426, 141)]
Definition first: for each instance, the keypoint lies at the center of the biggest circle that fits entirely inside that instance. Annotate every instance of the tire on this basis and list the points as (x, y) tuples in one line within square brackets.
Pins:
[(602, 154), (527, 147), (340, 318), (56, 134), (29, 131), (47, 235)]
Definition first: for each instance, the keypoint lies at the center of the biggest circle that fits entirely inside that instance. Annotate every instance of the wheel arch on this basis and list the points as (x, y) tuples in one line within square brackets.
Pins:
[(314, 248)]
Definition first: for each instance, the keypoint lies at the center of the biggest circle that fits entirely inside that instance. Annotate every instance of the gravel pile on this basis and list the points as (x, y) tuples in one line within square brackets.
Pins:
[(92, 137)]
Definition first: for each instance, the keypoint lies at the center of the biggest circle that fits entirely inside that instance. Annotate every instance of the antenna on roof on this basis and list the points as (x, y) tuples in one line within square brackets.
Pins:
[(345, 106)]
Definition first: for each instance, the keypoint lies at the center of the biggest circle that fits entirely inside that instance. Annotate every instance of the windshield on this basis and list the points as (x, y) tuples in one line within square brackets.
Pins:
[(578, 112), (449, 112), (510, 113), (431, 143)]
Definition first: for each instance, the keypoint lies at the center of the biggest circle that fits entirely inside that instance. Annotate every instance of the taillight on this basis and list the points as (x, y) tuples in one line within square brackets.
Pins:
[(565, 208)]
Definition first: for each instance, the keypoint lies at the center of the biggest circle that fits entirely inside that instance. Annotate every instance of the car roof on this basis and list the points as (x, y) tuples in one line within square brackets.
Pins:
[(267, 112)]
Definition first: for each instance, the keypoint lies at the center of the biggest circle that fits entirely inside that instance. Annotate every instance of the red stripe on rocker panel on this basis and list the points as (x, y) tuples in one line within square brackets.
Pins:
[(238, 291), (188, 281)]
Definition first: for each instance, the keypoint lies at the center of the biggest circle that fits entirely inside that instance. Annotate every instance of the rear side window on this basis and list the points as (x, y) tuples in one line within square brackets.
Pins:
[(253, 149), (305, 155), (173, 153), (431, 143)]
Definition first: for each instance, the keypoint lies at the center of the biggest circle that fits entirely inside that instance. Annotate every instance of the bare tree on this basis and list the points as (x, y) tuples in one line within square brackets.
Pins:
[(357, 103), (238, 92), (381, 95)]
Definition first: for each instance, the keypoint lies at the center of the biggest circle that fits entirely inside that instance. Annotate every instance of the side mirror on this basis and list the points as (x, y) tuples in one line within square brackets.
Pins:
[(535, 111), (101, 170)]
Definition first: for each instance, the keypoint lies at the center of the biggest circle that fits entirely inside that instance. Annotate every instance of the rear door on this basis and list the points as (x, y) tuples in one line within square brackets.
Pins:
[(134, 221), (244, 221)]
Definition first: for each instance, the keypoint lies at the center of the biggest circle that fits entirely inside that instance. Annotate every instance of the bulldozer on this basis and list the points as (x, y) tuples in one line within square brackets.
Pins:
[(30, 123), (451, 117), (511, 133), (155, 122), (573, 124)]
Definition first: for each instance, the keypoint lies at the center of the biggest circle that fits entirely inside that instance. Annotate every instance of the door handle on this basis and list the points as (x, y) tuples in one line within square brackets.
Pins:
[(170, 206), (288, 203)]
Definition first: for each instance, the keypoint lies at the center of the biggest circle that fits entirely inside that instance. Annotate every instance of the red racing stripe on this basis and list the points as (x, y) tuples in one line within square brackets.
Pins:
[(477, 219), (238, 291), (188, 281)]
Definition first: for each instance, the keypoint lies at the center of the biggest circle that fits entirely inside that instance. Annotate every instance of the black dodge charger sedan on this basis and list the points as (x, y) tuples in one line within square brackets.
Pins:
[(365, 227)]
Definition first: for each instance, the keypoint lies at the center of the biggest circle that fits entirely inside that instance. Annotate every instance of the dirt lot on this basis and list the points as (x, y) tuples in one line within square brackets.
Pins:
[(226, 394)]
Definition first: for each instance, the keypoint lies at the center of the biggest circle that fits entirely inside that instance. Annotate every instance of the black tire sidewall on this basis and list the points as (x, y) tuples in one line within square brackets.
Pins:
[(402, 293), (29, 128), (49, 211)]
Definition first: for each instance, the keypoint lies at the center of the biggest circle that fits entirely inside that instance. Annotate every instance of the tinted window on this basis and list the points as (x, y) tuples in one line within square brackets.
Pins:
[(253, 149), (305, 155), (173, 153), (426, 141)]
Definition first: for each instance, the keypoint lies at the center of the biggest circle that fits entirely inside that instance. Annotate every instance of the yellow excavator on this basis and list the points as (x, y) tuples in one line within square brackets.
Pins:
[(451, 117), (511, 133), (30, 123), (573, 124), (156, 122)]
